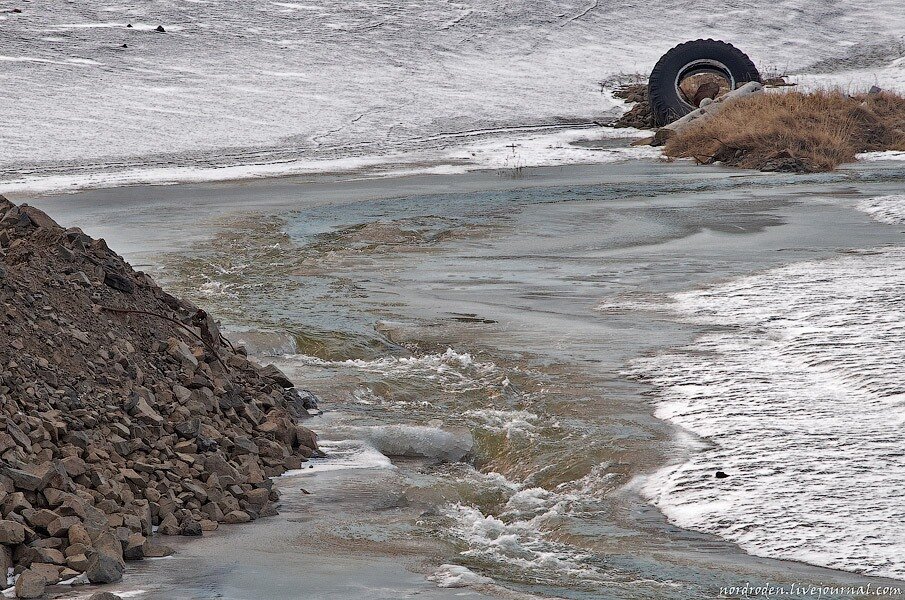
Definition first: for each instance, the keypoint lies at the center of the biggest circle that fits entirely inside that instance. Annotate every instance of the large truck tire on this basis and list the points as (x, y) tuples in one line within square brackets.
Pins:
[(667, 101)]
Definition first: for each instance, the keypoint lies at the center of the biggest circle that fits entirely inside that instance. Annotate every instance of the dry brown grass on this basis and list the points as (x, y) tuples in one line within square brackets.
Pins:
[(792, 131)]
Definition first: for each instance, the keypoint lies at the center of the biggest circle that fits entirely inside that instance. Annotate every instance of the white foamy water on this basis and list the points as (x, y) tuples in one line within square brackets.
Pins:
[(511, 422), (257, 88), (343, 455), (515, 538), (452, 371), (510, 542), (800, 397)]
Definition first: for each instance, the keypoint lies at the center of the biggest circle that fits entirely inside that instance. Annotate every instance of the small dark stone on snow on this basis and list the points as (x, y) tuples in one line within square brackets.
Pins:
[(721, 475)]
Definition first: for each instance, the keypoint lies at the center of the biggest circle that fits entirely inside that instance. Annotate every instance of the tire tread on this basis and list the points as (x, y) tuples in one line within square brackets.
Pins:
[(661, 87)]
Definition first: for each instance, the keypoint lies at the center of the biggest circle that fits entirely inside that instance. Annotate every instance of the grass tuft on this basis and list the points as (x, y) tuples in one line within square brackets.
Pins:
[(794, 131)]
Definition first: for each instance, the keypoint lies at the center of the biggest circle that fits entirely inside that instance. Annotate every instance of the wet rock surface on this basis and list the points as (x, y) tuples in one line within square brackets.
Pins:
[(124, 412)]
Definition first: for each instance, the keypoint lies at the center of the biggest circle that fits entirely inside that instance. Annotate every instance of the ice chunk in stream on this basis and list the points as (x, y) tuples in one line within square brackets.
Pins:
[(411, 441), (343, 455), (456, 576)]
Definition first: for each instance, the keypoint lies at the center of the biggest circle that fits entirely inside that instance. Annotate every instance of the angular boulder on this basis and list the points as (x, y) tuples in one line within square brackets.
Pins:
[(30, 584)]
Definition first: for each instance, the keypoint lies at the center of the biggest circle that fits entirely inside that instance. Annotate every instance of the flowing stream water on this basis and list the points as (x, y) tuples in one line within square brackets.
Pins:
[(512, 369), (531, 370)]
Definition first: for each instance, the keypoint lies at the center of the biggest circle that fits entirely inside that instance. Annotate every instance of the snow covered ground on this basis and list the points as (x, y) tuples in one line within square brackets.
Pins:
[(263, 87)]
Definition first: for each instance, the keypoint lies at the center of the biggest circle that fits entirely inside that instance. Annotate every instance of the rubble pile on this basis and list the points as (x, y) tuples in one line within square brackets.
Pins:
[(124, 412), (640, 116)]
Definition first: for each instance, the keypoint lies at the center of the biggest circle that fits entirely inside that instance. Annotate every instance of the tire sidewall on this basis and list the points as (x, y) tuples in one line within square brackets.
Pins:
[(666, 103)]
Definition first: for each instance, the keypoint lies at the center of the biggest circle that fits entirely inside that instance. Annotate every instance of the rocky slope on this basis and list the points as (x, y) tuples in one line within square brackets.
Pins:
[(124, 411), (640, 115)]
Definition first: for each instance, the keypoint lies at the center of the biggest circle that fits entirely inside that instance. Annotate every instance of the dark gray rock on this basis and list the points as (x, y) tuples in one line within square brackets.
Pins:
[(301, 401), (18, 435), (30, 584), (230, 400), (134, 548), (104, 567), (104, 596), (24, 480), (274, 374), (243, 445), (206, 444), (11, 533), (118, 282), (157, 550), (15, 217), (190, 527), (188, 429)]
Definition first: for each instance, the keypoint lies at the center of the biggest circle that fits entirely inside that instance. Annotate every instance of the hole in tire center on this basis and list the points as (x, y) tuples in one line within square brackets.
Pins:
[(708, 84)]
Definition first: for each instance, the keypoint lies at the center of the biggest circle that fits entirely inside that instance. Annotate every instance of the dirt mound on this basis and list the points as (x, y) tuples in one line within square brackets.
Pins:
[(795, 132), (123, 409)]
